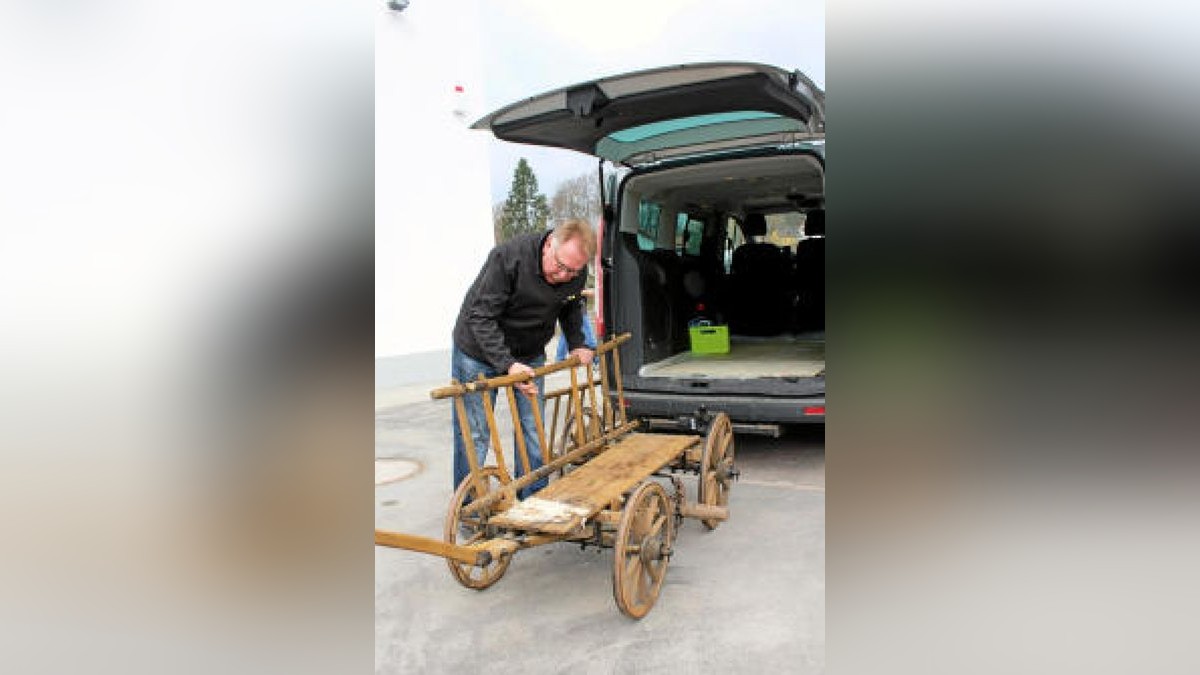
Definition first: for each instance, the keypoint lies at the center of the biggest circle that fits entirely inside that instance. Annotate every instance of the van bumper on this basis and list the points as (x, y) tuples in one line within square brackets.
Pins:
[(750, 409)]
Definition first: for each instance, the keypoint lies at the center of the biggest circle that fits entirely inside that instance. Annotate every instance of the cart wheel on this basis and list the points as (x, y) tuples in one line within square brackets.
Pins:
[(472, 531), (566, 439), (716, 466), (643, 549)]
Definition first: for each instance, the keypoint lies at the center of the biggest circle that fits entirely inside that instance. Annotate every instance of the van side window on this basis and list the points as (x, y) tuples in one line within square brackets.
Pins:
[(648, 224), (733, 239), (689, 235)]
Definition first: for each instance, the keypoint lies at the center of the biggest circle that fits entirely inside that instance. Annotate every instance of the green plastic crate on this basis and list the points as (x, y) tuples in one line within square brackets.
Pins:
[(709, 339)]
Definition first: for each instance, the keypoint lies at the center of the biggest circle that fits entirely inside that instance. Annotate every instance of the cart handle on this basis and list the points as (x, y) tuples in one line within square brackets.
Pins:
[(480, 553)]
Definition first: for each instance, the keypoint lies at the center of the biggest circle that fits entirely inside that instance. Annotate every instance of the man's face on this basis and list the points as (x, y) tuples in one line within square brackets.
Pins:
[(563, 262)]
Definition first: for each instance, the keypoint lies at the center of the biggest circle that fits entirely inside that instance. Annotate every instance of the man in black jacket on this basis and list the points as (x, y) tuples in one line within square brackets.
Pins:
[(527, 284)]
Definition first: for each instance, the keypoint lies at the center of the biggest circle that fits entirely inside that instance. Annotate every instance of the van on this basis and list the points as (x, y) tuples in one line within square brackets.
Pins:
[(711, 250)]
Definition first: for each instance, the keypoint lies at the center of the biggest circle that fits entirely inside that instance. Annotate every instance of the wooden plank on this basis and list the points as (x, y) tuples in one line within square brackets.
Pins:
[(566, 504)]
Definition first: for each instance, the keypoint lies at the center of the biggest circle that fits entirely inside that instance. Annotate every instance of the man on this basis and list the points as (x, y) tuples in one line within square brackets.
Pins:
[(527, 284)]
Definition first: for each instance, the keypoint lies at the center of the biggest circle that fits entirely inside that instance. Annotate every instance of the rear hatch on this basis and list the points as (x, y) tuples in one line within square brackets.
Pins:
[(651, 115)]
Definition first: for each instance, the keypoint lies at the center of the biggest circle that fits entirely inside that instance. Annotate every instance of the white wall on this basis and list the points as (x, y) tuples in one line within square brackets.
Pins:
[(433, 219)]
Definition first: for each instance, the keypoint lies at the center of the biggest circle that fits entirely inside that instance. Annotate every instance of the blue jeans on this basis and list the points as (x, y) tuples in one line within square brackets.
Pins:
[(465, 369), (589, 337)]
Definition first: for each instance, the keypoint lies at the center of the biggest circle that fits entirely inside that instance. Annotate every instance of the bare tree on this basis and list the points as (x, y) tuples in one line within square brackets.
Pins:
[(497, 219), (578, 197)]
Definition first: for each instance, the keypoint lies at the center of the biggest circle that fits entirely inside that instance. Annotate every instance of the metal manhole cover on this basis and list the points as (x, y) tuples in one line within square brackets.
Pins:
[(392, 470)]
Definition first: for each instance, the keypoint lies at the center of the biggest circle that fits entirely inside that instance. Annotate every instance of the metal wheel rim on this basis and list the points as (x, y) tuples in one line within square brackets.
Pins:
[(647, 524), (472, 576), (715, 465)]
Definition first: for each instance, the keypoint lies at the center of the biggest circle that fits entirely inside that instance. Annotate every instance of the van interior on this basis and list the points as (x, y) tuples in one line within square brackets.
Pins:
[(736, 243)]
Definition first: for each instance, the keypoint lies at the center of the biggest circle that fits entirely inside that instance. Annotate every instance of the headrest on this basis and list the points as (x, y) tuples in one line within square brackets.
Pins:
[(814, 223), (755, 225)]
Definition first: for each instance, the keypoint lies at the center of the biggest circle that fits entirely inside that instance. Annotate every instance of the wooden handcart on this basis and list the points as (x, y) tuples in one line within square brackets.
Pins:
[(607, 486)]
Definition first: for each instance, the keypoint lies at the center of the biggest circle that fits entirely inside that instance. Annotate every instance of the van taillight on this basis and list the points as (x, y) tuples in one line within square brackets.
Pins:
[(601, 328), (815, 410)]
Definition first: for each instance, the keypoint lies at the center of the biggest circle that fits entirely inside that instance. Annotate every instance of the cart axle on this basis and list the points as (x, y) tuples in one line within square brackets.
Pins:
[(704, 511)]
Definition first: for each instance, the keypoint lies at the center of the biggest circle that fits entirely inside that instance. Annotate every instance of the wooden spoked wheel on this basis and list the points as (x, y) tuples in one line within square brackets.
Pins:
[(566, 439), (643, 549), (471, 529), (716, 466)]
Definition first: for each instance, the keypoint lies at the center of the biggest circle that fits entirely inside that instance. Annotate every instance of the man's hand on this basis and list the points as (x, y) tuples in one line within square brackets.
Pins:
[(528, 388), (584, 355)]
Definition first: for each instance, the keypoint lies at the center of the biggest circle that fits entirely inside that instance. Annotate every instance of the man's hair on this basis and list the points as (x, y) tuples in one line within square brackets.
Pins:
[(577, 228)]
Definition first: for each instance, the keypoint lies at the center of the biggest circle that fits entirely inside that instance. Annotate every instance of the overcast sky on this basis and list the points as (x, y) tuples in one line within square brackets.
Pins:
[(533, 46)]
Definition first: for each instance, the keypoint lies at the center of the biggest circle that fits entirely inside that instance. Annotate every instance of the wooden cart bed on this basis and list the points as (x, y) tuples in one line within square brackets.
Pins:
[(565, 504)]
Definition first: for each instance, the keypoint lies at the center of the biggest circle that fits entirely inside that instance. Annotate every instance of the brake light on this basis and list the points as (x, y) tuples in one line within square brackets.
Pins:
[(815, 410), (601, 333)]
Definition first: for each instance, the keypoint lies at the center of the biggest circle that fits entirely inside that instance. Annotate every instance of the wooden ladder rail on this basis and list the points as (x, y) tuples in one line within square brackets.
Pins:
[(484, 386), (599, 393)]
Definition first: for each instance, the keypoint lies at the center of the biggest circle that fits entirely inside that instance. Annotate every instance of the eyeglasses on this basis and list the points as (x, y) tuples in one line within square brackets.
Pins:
[(561, 267)]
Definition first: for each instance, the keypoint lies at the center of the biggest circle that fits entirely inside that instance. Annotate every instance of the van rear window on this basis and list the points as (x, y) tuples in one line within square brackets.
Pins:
[(648, 213)]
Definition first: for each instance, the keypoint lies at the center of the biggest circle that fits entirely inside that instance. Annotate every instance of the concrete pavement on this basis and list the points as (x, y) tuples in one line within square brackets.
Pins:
[(746, 597)]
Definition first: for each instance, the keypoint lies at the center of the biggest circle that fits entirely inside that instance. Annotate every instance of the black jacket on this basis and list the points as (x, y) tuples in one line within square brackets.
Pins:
[(509, 312)]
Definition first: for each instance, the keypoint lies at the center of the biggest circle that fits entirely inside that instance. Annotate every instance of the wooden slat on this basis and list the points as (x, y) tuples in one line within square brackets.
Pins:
[(493, 431), (604, 392), (540, 425), (620, 385), (550, 451), (565, 504), (464, 427), (591, 389), (577, 408), (518, 431)]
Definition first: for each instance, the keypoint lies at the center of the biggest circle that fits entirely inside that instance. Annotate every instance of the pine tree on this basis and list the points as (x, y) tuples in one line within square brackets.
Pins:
[(525, 210)]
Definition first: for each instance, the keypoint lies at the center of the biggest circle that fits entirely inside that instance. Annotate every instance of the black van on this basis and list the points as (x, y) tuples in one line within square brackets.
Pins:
[(712, 246)]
